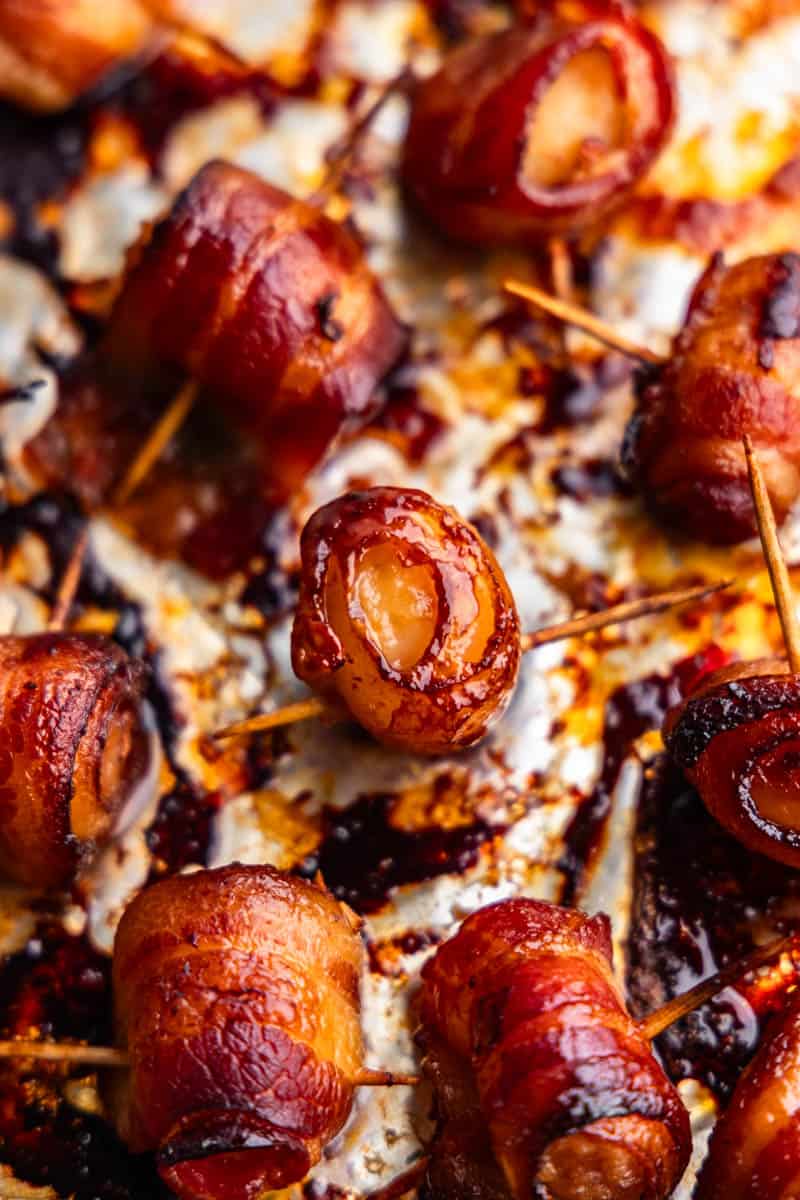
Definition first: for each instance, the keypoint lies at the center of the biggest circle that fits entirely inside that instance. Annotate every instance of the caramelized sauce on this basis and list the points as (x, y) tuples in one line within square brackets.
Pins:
[(630, 711), (699, 897), (364, 856)]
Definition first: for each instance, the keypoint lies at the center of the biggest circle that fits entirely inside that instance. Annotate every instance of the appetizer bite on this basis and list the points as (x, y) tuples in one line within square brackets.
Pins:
[(737, 734), (540, 130), (269, 311), (574, 1101), (405, 621), (754, 1152), (54, 51), (75, 752), (734, 369), (236, 997)]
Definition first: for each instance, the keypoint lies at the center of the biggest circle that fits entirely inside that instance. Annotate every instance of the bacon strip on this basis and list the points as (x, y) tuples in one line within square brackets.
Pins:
[(405, 617), (754, 1152), (236, 994), (734, 368), (487, 157), (575, 1103), (737, 739), (74, 749), (52, 51), (270, 306)]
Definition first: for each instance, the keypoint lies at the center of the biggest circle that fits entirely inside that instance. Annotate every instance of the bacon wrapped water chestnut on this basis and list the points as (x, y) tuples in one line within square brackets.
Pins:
[(405, 619), (737, 738), (576, 1105), (542, 129), (52, 51), (236, 994), (75, 752), (734, 369), (754, 1152), (269, 306)]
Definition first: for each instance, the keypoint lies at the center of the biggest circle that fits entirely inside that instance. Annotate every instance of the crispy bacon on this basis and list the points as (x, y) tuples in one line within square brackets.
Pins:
[(754, 1152), (575, 1103), (75, 752), (52, 51), (541, 129), (270, 306), (737, 738), (734, 368), (406, 619), (236, 994)]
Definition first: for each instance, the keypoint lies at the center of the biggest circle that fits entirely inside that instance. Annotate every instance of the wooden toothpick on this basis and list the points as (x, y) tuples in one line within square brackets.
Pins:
[(581, 318), (111, 1056), (89, 1056), (631, 610), (69, 583), (776, 563), (656, 1022), (305, 710), (157, 441)]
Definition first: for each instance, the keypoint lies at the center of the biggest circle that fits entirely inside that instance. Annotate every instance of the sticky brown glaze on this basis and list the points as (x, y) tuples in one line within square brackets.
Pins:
[(236, 994), (754, 1153), (576, 1105), (75, 752), (541, 129), (270, 306), (406, 619), (737, 739), (734, 368), (52, 51)]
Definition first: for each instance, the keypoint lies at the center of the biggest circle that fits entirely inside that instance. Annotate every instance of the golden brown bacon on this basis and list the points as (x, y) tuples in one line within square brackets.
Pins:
[(734, 369), (737, 738), (406, 619), (236, 993), (576, 1105), (52, 51), (270, 306), (75, 752), (541, 129), (754, 1153)]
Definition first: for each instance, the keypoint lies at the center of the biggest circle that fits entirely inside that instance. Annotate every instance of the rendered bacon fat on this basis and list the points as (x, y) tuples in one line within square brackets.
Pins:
[(737, 738), (406, 619), (541, 129), (734, 369), (576, 1105), (270, 306), (754, 1153), (236, 993), (52, 51), (75, 752)]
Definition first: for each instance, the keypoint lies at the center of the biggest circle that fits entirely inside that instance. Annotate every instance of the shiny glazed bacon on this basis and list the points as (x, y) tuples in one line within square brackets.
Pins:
[(270, 306), (236, 993), (754, 1152), (52, 51), (576, 1105), (734, 368), (406, 619), (737, 739), (541, 129), (75, 751)]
